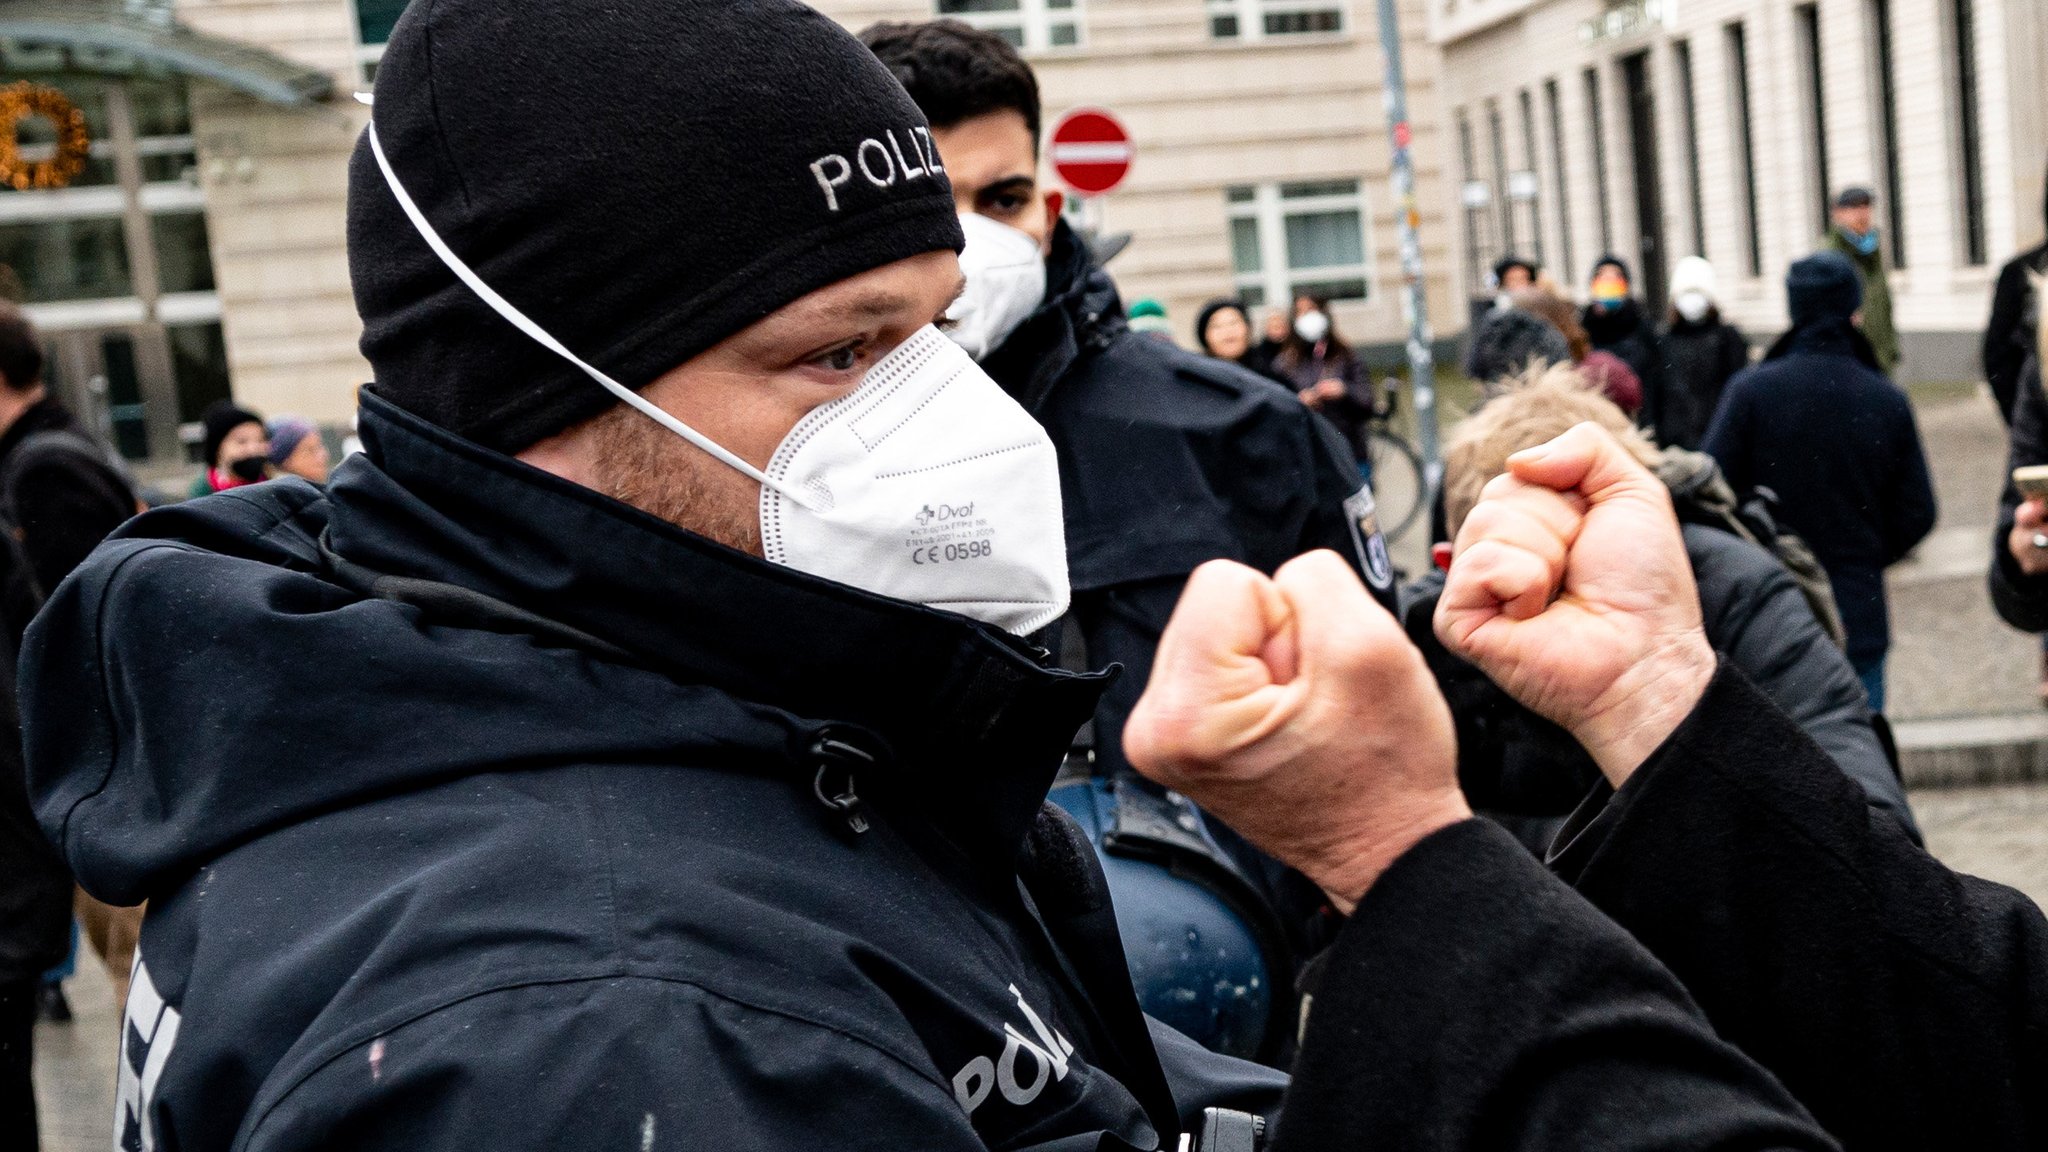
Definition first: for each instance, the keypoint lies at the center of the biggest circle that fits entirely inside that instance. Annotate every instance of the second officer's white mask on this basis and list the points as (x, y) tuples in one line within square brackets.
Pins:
[(926, 483), (1005, 284)]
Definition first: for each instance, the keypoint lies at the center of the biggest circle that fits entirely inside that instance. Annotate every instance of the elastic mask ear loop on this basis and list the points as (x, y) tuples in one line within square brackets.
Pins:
[(519, 320)]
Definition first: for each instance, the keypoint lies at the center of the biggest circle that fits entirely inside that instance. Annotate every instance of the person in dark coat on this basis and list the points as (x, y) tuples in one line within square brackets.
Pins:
[(235, 449), (1903, 1005), (1819, 425), (35, 887), (2019, 545), (2009, 336), (1698, 353), (646, 789), (1168, 458), (1327, 374), (1529, 774), (59, 487), (1617, 322)]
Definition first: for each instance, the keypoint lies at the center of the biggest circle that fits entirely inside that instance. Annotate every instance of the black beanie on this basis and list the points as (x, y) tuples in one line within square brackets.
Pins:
[(1509, 340), (219, 419), (642, 180), (1610, 260), (1824, 286)]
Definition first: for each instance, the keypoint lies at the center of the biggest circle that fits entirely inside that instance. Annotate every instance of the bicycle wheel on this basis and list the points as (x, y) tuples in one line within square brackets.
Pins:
[(1397, 484)]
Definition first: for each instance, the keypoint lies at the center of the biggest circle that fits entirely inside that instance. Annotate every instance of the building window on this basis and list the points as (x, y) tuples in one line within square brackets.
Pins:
[(1553, 102), (1030, 25), (1596, 123), (374, 21), (1503, 200), (1251, 20), (1529, 186), (1806, 22), (1879, 16), (1745, 147), (1971, 168), (1300, 238), (1477, 196), (1689, 108)]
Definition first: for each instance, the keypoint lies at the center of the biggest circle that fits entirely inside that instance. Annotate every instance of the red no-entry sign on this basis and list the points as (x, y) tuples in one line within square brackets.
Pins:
[(1091, 151)]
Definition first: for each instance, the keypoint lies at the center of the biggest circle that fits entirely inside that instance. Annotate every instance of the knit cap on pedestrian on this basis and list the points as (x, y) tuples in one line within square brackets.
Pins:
[(286, 434), (642, 180), (219, 419), (1824, 286), (1693, 274)]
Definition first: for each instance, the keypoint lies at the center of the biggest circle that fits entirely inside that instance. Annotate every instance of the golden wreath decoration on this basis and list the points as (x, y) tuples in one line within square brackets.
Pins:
[(19, 101)]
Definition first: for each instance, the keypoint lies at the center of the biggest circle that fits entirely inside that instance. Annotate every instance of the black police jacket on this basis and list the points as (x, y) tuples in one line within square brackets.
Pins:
[(1169, 459), (476, 810)]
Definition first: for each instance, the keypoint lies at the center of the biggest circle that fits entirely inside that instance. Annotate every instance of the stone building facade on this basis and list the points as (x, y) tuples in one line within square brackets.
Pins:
[(1261, 170), (1656, 129)]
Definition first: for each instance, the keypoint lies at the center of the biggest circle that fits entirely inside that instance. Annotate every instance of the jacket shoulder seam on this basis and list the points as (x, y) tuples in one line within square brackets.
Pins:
[(377, 1029)]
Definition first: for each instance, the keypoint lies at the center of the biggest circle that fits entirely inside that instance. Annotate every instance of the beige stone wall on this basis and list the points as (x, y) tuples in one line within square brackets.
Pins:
[(1492, 48), (1208, 114), (276, 194)]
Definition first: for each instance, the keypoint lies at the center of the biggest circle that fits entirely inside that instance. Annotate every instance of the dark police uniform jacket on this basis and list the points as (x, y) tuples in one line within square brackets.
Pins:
[(427, 872), (1169, 459)]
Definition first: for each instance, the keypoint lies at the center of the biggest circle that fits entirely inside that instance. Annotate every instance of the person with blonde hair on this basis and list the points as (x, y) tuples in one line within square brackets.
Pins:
[(1528, 773)]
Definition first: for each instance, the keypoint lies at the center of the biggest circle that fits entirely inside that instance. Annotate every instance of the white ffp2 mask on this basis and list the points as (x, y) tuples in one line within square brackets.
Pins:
[(1694, 306), (1005, 284), (926, 483)]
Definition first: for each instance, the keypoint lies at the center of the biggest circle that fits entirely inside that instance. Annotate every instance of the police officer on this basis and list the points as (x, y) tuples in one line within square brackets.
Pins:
[(1167, 458)]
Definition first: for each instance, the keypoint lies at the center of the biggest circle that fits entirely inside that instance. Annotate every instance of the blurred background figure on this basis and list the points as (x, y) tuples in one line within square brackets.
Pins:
[(1224, 330), (1698, 353), (1820, 425), (1273, 337), (1853, 234), (236, 449), (1327, 374), (297, 450), (1148, 318), (1617, 322), (1609, 374), (2009, 335), (1512, 274)]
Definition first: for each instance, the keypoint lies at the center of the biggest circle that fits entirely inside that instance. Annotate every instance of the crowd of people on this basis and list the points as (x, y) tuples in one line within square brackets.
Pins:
[(647, 736)]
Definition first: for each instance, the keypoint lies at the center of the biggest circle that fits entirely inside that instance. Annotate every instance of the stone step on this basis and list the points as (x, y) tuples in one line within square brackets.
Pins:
[(1968, 751)]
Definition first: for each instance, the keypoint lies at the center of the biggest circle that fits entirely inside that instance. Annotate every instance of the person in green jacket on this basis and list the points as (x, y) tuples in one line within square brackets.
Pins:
[(1854, 234)]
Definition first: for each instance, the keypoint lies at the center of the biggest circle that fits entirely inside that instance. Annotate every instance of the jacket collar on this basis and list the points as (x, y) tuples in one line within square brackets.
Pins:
[(1827, 338), (968, 724), (1081, 314)]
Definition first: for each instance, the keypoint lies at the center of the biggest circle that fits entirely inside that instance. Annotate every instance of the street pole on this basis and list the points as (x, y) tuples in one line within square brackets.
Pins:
[(1421, 364)]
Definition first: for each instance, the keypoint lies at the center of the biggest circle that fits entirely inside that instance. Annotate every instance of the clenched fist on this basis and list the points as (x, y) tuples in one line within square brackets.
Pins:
[(1296, 710), (1570, 588)]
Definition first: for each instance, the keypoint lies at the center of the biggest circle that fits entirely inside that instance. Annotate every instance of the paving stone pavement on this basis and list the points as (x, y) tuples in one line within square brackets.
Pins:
[(75, 1065)]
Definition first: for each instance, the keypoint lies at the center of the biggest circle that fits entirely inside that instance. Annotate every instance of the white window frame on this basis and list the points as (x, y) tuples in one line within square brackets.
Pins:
[(1251, 18), (367, 55), (1034, 17), (1275, 278)]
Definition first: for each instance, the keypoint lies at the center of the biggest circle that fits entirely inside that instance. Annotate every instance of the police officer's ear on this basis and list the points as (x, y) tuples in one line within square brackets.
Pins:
[(1055, 204)]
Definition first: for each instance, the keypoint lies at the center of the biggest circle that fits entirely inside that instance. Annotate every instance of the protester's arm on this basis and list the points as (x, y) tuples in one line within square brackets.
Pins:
[(1906, 1006), (2021, 597), (627, 1063), (1473, 1001)]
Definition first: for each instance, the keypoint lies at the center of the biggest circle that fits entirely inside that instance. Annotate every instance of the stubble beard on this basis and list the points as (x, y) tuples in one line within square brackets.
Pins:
[(651, 468)]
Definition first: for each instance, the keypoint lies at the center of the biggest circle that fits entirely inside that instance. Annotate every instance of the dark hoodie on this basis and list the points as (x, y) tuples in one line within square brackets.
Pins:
[(539, 843)]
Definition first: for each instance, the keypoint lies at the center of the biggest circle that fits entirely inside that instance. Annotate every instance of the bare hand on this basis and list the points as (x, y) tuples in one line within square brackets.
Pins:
[(2029, 521), (1296, 710), (1330, 388), (1570, 588), (1311, 397)]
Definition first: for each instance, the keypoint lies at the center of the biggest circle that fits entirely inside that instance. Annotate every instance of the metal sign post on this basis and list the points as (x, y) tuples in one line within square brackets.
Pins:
[(1421, 363)]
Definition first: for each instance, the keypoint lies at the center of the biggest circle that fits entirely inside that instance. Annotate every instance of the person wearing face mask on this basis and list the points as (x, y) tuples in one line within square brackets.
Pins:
[(1698, 353), (668, 724), (1168, 458), (1853, 233), (1616, 322), (1326, 374), (236, 449)]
